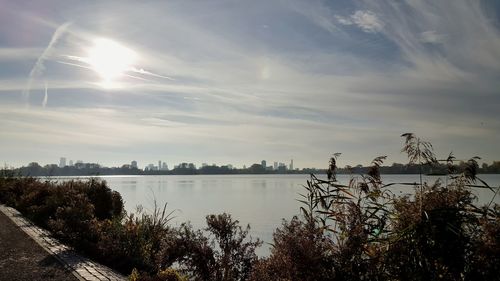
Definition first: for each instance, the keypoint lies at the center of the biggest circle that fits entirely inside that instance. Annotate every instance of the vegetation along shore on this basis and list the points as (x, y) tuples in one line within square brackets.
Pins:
[(353, 231)]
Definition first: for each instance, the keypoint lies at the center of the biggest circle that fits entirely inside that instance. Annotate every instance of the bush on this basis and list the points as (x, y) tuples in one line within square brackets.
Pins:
[(168, 274), (431, 242), (135, 241), (300, 252), (224, 255), (73, 211), (90, 217), (356, 231), (361, 231)]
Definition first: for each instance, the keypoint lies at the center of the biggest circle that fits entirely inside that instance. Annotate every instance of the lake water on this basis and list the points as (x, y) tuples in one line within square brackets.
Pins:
[(259, 200)]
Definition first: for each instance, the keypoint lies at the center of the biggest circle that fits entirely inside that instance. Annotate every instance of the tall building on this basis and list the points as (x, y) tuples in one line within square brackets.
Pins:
[(133, 164), (281, 167), (291, 165), (275, 165), (264, 164), (164, 166), (159, 165), (62, 162), (71, 162)]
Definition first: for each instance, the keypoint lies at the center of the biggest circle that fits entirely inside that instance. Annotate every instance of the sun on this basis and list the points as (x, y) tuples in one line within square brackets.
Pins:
[(110, 60)]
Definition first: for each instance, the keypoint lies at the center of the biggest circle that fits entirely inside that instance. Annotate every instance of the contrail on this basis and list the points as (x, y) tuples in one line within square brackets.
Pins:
[(73, 64), (142, 71), (39, 67), (130, 69), (46, 97)]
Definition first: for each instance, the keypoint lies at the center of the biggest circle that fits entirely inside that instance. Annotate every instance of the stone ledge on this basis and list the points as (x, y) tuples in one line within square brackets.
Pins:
[(82, 268)]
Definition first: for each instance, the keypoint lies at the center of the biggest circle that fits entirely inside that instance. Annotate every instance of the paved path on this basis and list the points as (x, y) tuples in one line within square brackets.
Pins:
[(21, 258), (28, 252)]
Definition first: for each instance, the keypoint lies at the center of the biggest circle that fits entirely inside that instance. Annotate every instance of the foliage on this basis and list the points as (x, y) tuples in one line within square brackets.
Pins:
[(135, 241), (300, 252), (225, 254), (361, 231), (90, 217), (168, 274), (234, 257), (354, 231)]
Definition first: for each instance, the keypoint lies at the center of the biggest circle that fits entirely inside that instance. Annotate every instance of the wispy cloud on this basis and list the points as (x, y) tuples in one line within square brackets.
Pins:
[(366, 20), (215, 85), (431, 36), (46, 96), (16, 54), (39, 65)]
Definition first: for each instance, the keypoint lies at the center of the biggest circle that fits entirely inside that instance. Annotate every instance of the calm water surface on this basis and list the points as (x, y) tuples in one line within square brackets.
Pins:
[(259, 200)]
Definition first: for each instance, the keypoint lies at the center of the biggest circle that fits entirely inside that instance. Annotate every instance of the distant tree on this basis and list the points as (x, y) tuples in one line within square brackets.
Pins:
[(256, 169)]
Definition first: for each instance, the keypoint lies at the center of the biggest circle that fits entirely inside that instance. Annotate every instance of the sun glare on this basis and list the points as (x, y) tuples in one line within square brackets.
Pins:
[(110, 60)]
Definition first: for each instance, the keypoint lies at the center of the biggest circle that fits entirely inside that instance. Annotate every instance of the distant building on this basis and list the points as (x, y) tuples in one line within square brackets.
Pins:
[(275, 166), (263, 163), (291, 165), (133, 164), (281, 167), (164, 166), (229, 166), (203, 165), (71, 162), (62, 162)]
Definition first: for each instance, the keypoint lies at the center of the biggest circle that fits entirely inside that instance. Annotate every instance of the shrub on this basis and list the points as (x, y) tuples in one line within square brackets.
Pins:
[(234, 256), (107, 203), (361, 231), (73, 211), (135, 241), (168, 274), (431, 242), (353, 231), (226, 254), (300, 252)]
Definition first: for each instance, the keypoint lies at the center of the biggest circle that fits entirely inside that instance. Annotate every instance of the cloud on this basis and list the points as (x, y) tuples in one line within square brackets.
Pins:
[(15, 54), (39, 66), (233, 92), (318, 13), (431, 36), (366, 20), (469, 39), (344, 20), (45, 97)]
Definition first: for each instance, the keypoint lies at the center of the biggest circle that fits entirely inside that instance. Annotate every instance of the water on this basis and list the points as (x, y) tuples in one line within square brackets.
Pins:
[(259, 200)]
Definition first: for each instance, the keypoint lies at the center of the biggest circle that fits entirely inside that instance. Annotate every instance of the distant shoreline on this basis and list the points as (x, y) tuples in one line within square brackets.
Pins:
[(94, 169)]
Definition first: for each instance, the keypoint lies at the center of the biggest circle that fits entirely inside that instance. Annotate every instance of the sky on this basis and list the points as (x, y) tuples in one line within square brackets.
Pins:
[(241, 81)]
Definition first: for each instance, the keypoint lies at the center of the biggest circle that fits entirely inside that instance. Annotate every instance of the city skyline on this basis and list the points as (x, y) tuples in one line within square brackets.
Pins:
[(161, 163), (238, 82)]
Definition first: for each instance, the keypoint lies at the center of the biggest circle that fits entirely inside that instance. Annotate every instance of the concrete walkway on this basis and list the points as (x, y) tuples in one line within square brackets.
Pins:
[(28, 252)]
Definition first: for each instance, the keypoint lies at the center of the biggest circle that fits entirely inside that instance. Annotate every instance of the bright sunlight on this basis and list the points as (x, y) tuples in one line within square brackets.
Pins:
[(110, 60)]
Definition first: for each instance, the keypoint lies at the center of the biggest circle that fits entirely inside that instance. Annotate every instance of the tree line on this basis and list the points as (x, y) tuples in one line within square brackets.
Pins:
[(92, 169)]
